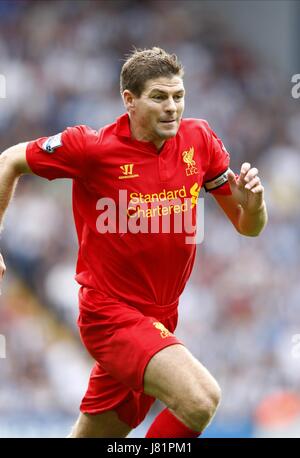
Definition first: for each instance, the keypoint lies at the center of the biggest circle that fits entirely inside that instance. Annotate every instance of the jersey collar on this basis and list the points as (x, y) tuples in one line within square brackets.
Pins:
[(123, 126), (123, 130)]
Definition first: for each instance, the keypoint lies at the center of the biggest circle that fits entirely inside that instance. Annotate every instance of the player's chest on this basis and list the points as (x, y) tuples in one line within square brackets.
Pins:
[(138, 170)]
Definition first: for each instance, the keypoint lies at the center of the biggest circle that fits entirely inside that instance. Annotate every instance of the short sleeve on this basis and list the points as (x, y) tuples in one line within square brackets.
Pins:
[(215, 179), (60, 156)]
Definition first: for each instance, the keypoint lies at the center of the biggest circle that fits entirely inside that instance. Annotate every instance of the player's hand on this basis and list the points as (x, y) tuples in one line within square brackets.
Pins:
[(247, 188), (2, 269)]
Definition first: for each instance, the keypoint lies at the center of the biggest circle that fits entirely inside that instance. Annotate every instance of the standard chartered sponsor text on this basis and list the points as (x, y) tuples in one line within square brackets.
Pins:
[(166, 211)]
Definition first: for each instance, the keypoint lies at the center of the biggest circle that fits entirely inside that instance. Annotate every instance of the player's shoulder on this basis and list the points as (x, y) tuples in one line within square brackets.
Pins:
[(196, 126), (81, 130), (91, 133), (85, 135), (195, 123)]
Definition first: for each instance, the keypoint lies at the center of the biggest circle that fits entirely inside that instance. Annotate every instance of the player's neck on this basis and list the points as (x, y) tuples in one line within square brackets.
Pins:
[(138, 133)]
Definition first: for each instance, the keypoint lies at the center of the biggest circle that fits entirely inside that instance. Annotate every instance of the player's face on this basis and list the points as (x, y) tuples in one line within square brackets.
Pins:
[(155, 116)]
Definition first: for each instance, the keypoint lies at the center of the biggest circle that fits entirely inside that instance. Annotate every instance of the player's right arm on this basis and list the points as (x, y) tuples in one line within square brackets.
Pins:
[(59, 156), (13, 164)]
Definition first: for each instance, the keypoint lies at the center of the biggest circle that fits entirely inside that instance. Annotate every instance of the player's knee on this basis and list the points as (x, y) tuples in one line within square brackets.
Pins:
[(205, 406), (200, 408), (201, 414), (214, 393)]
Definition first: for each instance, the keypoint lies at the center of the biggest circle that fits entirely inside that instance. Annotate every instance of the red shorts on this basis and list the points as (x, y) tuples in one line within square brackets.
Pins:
[(122, 340)]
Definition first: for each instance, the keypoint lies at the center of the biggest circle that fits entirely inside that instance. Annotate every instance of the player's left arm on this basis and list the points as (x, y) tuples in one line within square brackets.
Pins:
[(245, 207)]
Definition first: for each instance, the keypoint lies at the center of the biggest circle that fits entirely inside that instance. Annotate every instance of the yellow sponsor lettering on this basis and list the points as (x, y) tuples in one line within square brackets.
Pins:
[(161, 210), (171, 199), (131, 211), (162, 195), (140, 212), (134, 198), (147, 198), (182, 192), (155, 210)]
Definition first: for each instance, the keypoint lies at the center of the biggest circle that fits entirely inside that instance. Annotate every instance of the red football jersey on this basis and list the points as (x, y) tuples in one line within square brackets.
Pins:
[(123, 192)]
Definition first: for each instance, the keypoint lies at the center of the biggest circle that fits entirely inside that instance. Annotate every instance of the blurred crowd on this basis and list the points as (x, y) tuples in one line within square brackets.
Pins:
[(240, 313)]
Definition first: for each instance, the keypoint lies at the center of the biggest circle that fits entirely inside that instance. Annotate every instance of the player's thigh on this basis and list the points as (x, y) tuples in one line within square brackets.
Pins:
[(174, 373), (106, 424)]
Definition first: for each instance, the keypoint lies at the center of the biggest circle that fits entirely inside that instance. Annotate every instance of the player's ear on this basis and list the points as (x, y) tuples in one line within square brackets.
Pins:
[(128, 99)]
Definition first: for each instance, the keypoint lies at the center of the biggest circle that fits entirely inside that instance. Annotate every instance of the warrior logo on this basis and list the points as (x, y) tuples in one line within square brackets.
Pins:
[(127, 171)]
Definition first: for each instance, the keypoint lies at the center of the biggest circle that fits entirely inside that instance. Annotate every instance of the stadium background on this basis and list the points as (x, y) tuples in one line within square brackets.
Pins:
[(240, 312)]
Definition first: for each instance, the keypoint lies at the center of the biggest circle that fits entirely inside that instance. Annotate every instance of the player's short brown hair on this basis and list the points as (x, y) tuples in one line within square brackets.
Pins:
[(145, 64)]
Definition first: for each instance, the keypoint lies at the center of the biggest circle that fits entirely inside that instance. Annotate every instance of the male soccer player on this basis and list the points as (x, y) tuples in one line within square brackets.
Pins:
[(132, 274)]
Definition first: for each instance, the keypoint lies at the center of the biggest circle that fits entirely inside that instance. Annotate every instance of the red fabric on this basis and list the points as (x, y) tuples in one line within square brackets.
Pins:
[(122, 340), (134, 278), (106, 393), (166, 425), (140, 268)]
